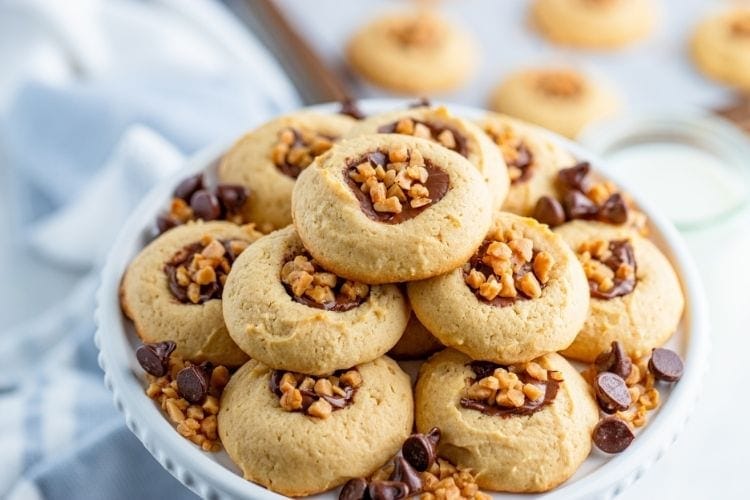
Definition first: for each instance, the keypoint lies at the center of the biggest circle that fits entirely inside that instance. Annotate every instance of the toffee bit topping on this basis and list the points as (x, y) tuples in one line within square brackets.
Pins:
[(193, 412), (563, 84), (405, 476), (423, 31), (193, 201), (506, 268), (308, 283), (296, 148), (396, 184), (510, 390), (315, 396), (609, 266), (443, 134), (740, 25), (197, 272), (517, 156)]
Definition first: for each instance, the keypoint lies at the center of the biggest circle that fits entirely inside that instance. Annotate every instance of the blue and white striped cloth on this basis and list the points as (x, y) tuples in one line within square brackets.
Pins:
[(75, 156)]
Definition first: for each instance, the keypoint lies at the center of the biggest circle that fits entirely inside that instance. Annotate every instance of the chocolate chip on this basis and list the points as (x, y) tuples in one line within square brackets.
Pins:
[(192, 382), (420, 449), (187, 187), (615, 361), (349, 107), (232, 197), (578, 206), (154, 358), (205, 205), (165, 222), (612, 392), (483, 369), (666, 365), (405, 473), (354, 489), (422, 102), (574, 178), (612, 435), (549, 211), (614, 210), (377, 158), (274, 381), (387, 490)]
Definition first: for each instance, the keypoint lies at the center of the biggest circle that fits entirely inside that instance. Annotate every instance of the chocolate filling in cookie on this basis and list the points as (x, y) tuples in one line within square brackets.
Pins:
[(517, 156), (443, 134), (506, 268), (395, 185), (582, 199), (309, 284), (315, 396), (197, 272), (610, 267), (297, 148), (506, 391)]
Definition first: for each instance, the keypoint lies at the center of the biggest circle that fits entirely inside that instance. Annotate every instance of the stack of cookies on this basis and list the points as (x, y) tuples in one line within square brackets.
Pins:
[(411, 232)]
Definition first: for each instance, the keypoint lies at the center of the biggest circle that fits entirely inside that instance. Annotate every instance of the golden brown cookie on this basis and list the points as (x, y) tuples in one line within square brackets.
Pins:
[(521, 295), (636, 296), (595, 24), (721, 47), (560, 99), (297, 453), (455, 133), (523, 428), (269, 159), (388, 208), (532, 159), (417, 52), (416, 342), (285, 310), (172, 290)]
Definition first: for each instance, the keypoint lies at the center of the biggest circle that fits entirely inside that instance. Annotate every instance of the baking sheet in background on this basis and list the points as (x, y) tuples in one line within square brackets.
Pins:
[(710, 456)]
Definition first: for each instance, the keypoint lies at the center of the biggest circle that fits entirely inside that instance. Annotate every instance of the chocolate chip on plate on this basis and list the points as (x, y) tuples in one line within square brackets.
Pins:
[(349, 107), (614, 210), (574, 178), (154, 358), (420, 449), (232, 196), (405, 473), (354, 489), (388, 490), (188, 187), (205, 205), (165, 222), (666, 365), (612, 392), (615, 361), (612, 435), (579, 206), (192, 382), (549, 211)]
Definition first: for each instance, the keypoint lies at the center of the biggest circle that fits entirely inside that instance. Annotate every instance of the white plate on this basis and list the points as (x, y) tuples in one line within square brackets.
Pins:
[(212, 475)]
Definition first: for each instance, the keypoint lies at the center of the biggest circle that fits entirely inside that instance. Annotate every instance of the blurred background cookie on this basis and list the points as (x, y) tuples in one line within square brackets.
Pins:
[(413, 52), (564, 100), (721, 47), (595, 24)]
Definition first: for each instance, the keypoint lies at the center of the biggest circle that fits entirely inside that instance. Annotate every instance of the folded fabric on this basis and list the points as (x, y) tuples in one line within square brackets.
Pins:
[(104, 99)]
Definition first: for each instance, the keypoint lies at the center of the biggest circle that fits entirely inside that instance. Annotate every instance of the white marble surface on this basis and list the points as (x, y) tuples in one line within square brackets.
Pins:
[(710, 458)]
